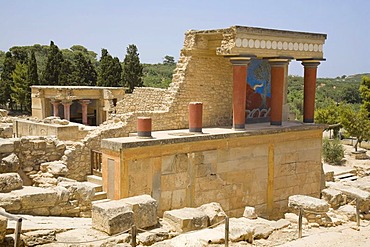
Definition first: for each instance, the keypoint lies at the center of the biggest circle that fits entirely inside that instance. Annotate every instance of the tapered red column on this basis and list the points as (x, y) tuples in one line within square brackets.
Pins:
[(84, 104), (310, 71), (195, 116), (240, 67), (55, 104), (67, 109), (277, 90)]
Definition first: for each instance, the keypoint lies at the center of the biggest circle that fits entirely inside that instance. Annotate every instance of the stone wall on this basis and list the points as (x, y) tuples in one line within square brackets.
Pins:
[(258, 170)]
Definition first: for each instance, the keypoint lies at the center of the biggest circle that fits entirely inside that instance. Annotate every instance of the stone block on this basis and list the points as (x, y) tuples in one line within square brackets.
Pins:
[(6, 146), (34, 197), (307, 203), (9, 202), (349, 211), (334, 197), (112, 217), (10, 181), (214, 212), (186, 219), (36, 238), (9, 163), (250, 213), (3, 226), (144, 208), (56, 168)]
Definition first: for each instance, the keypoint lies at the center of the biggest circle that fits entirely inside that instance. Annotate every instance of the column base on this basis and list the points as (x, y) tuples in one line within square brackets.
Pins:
[(195, 130), (239, 127), (144, 134), (278, 123), (308, 121)]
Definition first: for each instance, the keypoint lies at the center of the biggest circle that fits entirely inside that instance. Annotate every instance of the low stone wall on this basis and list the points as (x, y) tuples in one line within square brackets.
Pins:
[(68, 198), (257, 169), (65, 132)]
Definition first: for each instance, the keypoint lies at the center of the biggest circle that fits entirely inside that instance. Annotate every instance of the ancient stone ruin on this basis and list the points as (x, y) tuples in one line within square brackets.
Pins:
[(217, 145)]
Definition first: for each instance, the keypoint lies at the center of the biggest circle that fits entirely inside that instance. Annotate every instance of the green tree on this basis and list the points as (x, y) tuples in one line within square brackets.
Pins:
[(32, 75), (21, 93), (132, 69), (6, 80), (53, 65), (169, 60), (356, 123), (365, 92), (65, 77), (84, 72), (109, 71)]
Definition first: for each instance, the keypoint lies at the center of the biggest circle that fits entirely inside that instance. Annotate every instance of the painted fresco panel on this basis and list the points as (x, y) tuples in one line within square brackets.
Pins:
[(258, 101)]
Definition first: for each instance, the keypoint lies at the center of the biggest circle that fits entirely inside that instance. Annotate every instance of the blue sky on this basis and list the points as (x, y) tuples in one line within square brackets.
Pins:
[(158, 27)]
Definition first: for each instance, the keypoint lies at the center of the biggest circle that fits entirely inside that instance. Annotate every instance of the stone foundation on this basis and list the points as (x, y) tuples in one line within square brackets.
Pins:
[(259, 168)]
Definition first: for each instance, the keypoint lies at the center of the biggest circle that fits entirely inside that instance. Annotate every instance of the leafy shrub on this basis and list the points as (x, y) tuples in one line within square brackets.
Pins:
[(332, 151)]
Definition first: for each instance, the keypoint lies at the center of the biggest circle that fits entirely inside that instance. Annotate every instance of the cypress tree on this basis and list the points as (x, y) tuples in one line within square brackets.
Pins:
[(32, 75), (65, 77), (84, 73), (109, 71), (6, 80), (132, 69), (21, 93), (53, 65)]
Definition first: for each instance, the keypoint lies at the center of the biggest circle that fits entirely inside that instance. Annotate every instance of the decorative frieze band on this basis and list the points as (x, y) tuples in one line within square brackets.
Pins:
[(277, 45)]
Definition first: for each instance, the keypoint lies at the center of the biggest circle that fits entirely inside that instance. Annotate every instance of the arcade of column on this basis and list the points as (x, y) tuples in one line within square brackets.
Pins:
[(67, 108), (278, 74)]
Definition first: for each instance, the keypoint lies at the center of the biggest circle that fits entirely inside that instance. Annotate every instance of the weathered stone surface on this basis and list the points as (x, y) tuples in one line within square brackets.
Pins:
[(333, 197), (352, 192), (144, 208), (112, 217), (6, 146), (307, 203), (262, 231), (250, 213), (214, 212), (281, 223), (239, 230), (293, 218), (186, 219), (39, 237), (349, 211), (9, 182), (56, 168), (3, 113), (10, 202), (34, 197), (150, 237), (3, 226), (9, 164)]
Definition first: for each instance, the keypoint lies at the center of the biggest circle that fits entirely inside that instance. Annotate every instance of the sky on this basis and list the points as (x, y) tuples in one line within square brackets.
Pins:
[(157, 27)]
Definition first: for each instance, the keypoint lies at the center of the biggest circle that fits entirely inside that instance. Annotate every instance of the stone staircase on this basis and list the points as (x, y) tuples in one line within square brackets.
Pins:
[(97, 183), (346, 177)]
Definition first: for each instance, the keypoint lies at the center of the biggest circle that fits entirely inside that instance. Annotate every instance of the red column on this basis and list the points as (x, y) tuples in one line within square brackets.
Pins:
[(55, 104), (277, 90), (67, 109), (240, 67), (310, 70), (84, 104), (195, 116), (144, 127)]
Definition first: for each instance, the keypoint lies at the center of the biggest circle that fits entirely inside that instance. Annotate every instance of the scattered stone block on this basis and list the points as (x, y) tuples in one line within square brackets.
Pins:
[(307, 203), (240, 230), (112, 217), (34, 197), (214, 212), (9, 163), (6, 146), (349, 211), (186, 219), (334, 197), (3, 226), (293, 218), (9, 182), (250, 213), (144, 208), (280, 224), (262, 231), (35, 238), (56, 168)]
